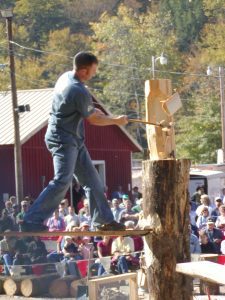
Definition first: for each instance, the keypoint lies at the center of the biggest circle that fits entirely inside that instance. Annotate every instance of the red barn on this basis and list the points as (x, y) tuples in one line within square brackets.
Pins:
[(110, 147)]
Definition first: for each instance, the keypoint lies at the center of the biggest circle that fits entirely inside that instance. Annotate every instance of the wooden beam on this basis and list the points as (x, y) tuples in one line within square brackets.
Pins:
[(78, 233), (205, 270)]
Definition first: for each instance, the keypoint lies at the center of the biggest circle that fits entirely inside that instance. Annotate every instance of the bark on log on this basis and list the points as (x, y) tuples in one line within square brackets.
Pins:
[(60, 288), (11, 286), (166, 209), (74, 286), (36, 286)]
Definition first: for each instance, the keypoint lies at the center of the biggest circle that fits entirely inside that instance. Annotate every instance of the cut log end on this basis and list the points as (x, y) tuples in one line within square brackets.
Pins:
[(11, 287)]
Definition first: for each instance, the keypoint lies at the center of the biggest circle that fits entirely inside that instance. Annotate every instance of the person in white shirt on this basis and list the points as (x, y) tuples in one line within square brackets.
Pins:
[(205, 201), (72, 217), (221, 219)]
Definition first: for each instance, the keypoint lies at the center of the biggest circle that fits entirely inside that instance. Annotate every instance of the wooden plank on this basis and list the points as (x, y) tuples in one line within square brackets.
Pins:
[(205, 270), (78, 233), (133, 288), (108, 279)]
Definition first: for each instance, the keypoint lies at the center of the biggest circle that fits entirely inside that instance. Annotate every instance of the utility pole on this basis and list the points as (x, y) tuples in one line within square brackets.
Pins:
[(222, 102), (8, 15)]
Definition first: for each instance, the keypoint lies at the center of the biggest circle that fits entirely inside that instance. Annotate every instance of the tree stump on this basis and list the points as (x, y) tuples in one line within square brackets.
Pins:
[(166, 209), (12, 286), (36, 286)]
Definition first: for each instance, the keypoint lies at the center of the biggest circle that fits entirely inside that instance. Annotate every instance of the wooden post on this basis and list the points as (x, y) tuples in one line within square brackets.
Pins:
[(161, 143), (166, 208)]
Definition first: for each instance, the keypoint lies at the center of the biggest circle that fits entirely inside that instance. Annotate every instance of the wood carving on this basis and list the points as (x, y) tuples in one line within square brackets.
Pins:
[(160, 106)]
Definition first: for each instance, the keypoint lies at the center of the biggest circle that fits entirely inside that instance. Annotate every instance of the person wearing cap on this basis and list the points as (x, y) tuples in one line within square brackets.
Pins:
[(127, 214), (65, 139), (216, 212), (215, 235), (124, 198)]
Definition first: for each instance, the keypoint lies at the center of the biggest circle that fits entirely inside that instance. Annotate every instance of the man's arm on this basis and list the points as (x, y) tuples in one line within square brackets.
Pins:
[(100, 119)]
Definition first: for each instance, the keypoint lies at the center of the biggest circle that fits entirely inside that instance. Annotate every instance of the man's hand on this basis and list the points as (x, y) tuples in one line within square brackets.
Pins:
[(121, 120)]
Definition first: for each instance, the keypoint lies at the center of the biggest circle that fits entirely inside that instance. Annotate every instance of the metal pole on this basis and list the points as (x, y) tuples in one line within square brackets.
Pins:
[(153, 67), (222, 102), (17, 144)]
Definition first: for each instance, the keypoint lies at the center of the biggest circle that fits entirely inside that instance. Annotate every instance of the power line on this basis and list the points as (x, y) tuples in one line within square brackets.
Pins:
[(116, 65)]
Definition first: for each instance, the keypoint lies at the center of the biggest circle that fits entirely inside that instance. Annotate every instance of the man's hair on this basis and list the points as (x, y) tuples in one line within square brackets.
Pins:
[(84, 59)]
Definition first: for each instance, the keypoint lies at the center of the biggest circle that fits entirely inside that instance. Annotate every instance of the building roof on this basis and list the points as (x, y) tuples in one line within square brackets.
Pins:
[(31, 122)]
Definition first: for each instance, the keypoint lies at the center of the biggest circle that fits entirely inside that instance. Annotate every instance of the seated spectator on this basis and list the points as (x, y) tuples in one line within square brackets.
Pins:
[(84, 213), (118, 193), (71, 254), (6, 222), (104, 249), (215, 235), (14, 216), (122, 249), (8, 207), (84, 226), (206, 245), (70, 250), (127, 214), (57, 256), (72, 217), (194, 243), (124, 198), (13, 200), (64, 207), (138, 207), (56, 223), (203, 217), (216, 212), (192, 214), (221, 218), (197, 195), (136, 195), (116, 210), (78, 195), (138, 241), (205, 201), (37, 251), (21, 214), (86, 248), (7, 252)]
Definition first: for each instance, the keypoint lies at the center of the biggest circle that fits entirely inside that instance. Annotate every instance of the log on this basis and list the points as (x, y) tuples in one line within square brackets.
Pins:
[(37, 286), (166, 209), (60, 288), (12, 286), (206, 270), (74, 286)]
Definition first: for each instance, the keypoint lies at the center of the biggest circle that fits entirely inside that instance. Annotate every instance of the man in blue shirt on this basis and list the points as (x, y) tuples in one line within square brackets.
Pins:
[(72, 103)]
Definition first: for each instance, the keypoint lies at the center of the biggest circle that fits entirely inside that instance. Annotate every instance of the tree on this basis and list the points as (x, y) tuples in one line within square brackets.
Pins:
[(187, 18), (39, 17)]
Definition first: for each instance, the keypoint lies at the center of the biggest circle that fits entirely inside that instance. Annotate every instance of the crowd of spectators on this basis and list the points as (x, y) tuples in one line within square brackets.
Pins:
[(207, 231), (122, 253)]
